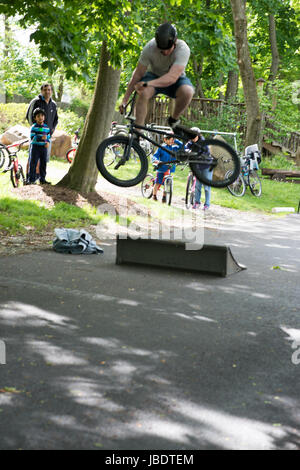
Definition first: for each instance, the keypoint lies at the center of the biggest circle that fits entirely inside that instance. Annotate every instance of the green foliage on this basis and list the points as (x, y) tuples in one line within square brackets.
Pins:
[(69, 121), (12, 114)]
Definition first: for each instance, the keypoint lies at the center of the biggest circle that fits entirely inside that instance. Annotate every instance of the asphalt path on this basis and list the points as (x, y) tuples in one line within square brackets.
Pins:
[(102, 356)]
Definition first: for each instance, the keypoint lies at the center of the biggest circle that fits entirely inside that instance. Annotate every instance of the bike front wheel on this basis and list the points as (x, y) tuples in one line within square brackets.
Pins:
[(238, 187), (219, 157), (120, 163), (254, 183), (17, 176)]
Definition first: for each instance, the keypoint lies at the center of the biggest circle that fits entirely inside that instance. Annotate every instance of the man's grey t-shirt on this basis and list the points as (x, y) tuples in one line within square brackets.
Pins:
[(159, 64)]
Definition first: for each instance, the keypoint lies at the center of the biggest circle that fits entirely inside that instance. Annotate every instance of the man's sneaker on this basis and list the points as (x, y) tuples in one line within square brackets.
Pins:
[(154, 198), (164, 199), (196, 205), (173, 122), (45, 182), (206, 207)]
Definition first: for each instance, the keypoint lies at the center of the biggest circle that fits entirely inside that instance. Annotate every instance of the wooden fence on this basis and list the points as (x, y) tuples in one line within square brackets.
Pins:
[(160, 109)]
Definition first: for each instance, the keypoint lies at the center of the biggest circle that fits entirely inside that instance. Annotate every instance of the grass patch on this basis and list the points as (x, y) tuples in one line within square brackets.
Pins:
[(17, 216)]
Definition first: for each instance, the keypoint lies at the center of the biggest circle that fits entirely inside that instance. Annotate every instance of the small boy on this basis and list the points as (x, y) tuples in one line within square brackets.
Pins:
[(40, 139), (162, 156)]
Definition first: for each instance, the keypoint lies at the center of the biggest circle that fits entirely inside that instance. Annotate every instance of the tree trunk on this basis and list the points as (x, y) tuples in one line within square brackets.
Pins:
[(246, 71), (83, 174), (232, 85), (274, 49)]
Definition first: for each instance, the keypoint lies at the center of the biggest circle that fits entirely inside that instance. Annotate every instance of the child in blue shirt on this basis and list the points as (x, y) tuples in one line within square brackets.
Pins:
[(40, 139), (162, 156)]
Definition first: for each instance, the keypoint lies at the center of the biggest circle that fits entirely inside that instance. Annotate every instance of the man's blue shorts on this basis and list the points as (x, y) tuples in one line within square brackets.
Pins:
[(169, 90)]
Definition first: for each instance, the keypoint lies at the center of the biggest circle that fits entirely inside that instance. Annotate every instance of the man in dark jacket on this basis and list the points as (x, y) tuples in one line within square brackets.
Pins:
[(45, 102)]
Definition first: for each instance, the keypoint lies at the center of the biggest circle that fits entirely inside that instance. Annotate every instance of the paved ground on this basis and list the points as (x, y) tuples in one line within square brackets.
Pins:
[(100, 356)]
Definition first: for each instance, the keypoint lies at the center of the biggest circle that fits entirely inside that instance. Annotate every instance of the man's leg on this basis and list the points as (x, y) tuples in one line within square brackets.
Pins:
[(142, 105), (183, 98)]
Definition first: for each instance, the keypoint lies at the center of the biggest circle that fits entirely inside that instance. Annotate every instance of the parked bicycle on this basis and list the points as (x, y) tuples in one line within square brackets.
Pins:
[(149, 182), (70, 154), (131, 165), (248, 175), (15, 168)]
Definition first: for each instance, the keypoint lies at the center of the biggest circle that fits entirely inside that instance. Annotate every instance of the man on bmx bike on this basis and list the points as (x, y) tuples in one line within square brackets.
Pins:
[(161, 70)]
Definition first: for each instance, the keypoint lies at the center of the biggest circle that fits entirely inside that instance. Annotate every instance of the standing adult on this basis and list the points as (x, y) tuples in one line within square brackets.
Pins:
[(44, 101), (161, 69)]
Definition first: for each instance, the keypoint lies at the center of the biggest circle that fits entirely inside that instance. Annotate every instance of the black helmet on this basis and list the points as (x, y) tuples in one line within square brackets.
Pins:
[(165, 36), (38, 111)]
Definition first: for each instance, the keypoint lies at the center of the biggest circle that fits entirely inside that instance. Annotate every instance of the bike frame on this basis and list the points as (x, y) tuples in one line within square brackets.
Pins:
[(13, 157), (134, 130)]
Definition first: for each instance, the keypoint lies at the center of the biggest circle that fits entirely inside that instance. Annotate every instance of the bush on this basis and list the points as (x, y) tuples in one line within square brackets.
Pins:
[(15, 113), (12, 114)]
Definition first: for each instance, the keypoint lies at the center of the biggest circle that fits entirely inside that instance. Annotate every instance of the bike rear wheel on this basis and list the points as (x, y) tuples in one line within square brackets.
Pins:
[(147, 186), (189, 194), (129, 165), (169, 190), (238, 187), (254, 183), (222, 159), (17, 176)]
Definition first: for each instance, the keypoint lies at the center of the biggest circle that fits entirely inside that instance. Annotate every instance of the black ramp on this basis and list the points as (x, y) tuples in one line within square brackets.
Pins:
[(213, 259)]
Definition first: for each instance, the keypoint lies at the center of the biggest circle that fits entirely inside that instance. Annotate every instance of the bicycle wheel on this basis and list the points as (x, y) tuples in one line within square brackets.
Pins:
[(238, 187), (2, 158), (189, 194), (147, 186), (169, 190), (17, 177), (128, 169), (70, 155), (254, 183), (221, 158)]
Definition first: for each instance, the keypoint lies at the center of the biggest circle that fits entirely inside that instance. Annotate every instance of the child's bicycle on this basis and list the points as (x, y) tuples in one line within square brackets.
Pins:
[(14, 166), (248, 175), (70, 154), (149, 182), (131, 165)]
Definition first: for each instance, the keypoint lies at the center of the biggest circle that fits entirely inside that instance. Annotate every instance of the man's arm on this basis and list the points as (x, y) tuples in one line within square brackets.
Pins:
[(137, 75), (167, 79), (31, 108)]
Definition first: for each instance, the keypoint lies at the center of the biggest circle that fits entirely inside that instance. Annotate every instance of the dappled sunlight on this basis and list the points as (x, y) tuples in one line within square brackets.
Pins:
[(55, 355), (21, 314), (88, 393)]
